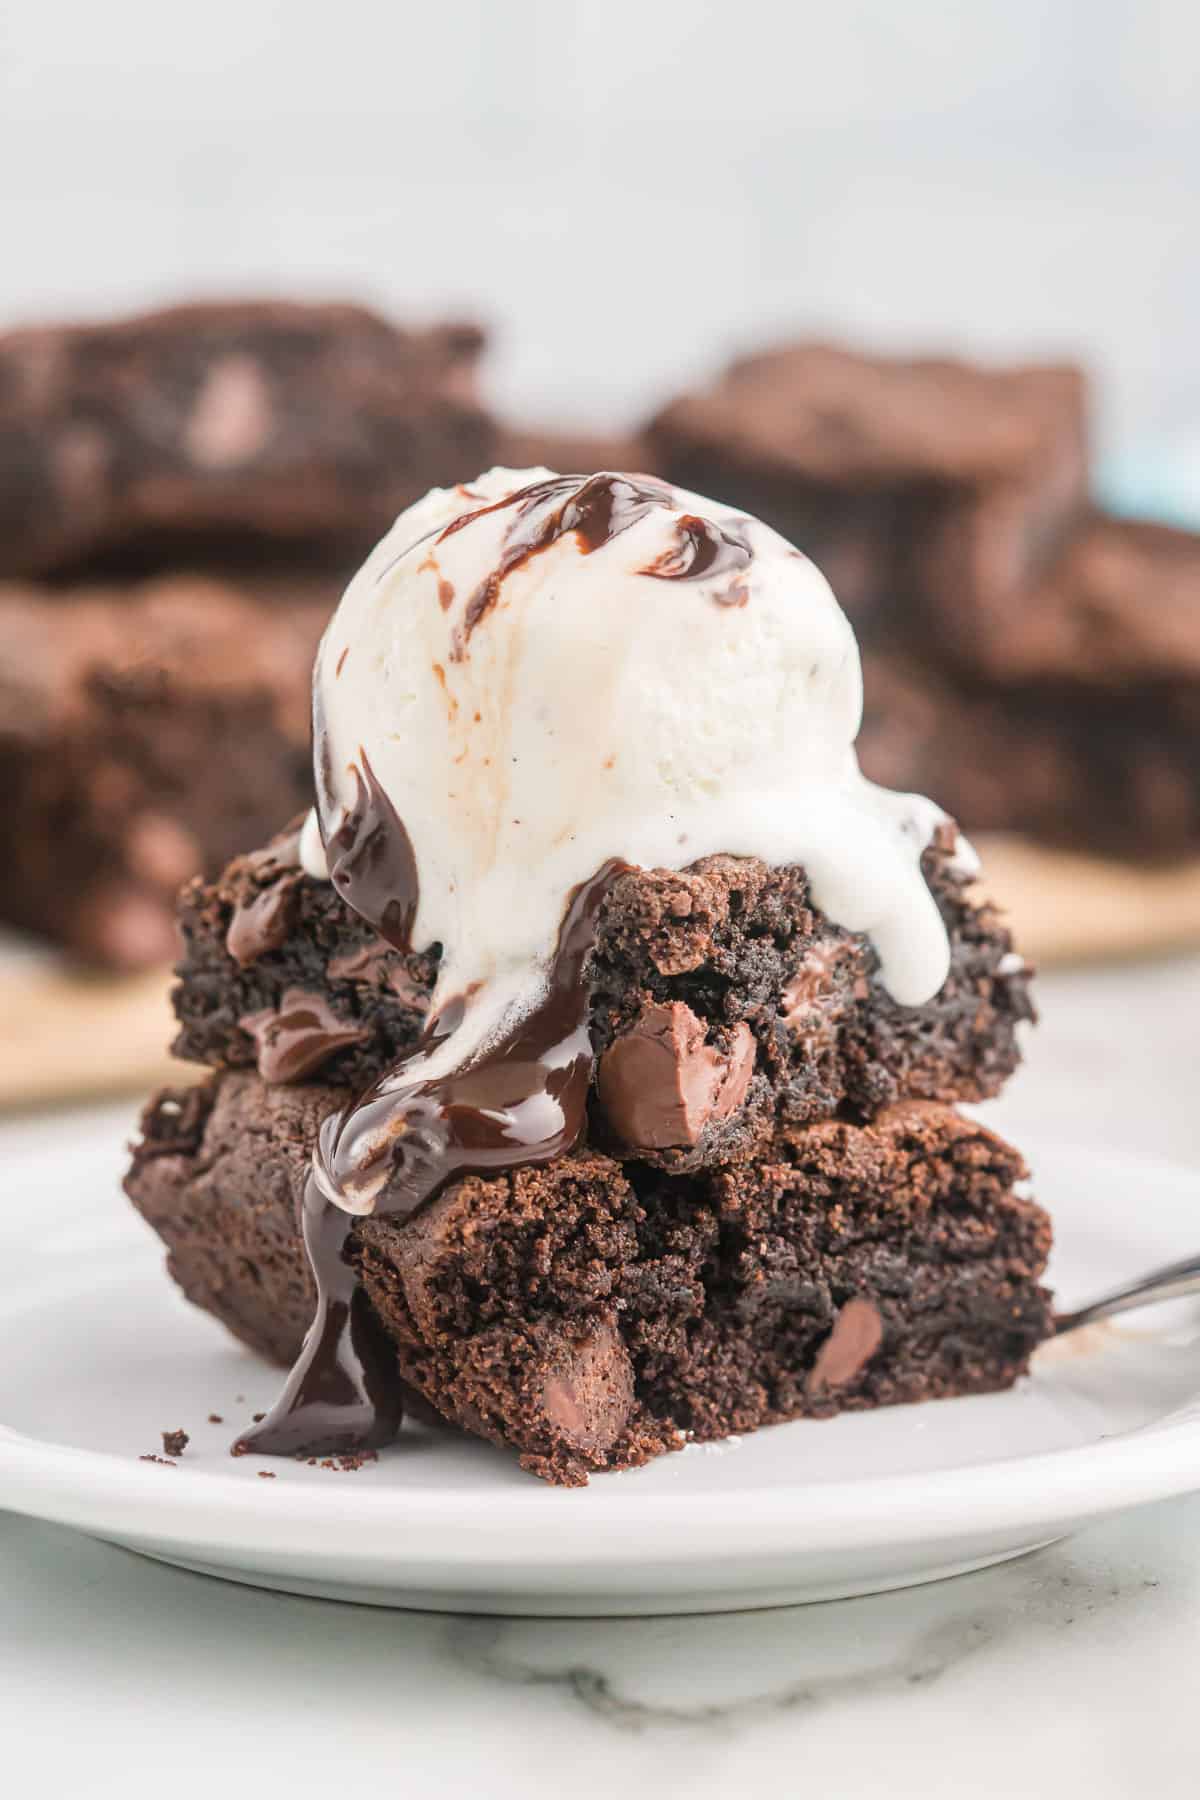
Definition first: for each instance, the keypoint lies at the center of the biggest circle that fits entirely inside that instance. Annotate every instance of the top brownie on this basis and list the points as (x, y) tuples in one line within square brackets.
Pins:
[(721, 1000), (269, 422), (900, 478)]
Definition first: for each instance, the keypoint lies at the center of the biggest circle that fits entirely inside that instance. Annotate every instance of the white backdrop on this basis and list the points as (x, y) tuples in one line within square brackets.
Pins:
[(627, 189)]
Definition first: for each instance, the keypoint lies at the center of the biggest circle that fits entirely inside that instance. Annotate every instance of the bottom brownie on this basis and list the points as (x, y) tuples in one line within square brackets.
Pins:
[(592, 1315)]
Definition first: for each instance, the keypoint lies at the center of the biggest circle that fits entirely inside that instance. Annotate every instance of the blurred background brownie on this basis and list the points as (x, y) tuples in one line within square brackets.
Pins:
[(185, 494), (145, 732), (1030, 660), (899, 478), (252, 423), (1115, 775)]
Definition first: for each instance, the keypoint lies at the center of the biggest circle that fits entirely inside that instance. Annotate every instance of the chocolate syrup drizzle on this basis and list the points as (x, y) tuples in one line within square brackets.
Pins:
[(371, 860), (523, 1099), (597, 508), (704, 549)]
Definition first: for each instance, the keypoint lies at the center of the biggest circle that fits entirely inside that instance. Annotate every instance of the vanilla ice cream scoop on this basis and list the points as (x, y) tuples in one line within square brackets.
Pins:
[(542, 673)]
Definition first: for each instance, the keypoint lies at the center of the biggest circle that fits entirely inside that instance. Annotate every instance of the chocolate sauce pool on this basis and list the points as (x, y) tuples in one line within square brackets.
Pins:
[(522, 1100)]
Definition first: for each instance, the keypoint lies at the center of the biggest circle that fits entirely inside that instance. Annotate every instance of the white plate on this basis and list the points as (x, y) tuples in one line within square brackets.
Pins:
[(98, 1355)]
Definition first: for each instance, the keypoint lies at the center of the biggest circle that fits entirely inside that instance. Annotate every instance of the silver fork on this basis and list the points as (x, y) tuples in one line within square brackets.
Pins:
[(1172, 1283)]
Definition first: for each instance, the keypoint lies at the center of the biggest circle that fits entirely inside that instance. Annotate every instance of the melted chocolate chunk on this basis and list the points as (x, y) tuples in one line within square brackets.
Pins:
[(391, 1151), (587, 1391), (662, 1084), (263, 923), (293, 1042), (856, 1336), (379, 966)]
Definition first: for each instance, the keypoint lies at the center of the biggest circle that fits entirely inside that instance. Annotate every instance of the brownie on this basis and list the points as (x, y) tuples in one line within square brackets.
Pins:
[(1118, 609), (265, 421), (265, 941), (590, 1314), (145, 734), (722, 1001), (1111, 771), (911, 483)]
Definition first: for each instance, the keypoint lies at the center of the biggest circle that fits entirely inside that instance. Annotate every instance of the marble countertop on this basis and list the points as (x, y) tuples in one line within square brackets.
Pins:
[(1070, 1672)]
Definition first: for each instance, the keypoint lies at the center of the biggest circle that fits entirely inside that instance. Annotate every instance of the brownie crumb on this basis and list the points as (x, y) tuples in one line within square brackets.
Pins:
[(341, 1465), (266, 1474), (259, 1417), (164, 1460), (348, 1464), (239, 1449), (215, 1419), (174, 1443)]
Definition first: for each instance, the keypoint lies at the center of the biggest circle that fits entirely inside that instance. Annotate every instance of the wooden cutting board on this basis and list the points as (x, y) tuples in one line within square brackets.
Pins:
[(66, 1035)]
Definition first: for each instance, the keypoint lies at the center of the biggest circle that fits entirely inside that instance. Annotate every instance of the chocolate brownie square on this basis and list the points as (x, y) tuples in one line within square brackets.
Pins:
[(721, 999), (906, 481), (590, 1315), (250, 422), (145, 734)]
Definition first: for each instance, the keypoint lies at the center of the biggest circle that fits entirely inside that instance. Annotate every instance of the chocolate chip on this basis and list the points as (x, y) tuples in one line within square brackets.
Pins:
[(174, 1443), (294, 1041), (263, 923), (587, 1392), (856, 1336), (662, 1083)]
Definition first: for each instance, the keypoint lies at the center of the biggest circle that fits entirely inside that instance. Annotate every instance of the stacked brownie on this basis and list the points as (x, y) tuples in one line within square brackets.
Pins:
[(1033, 662), (182, 497), (774, 1210)]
